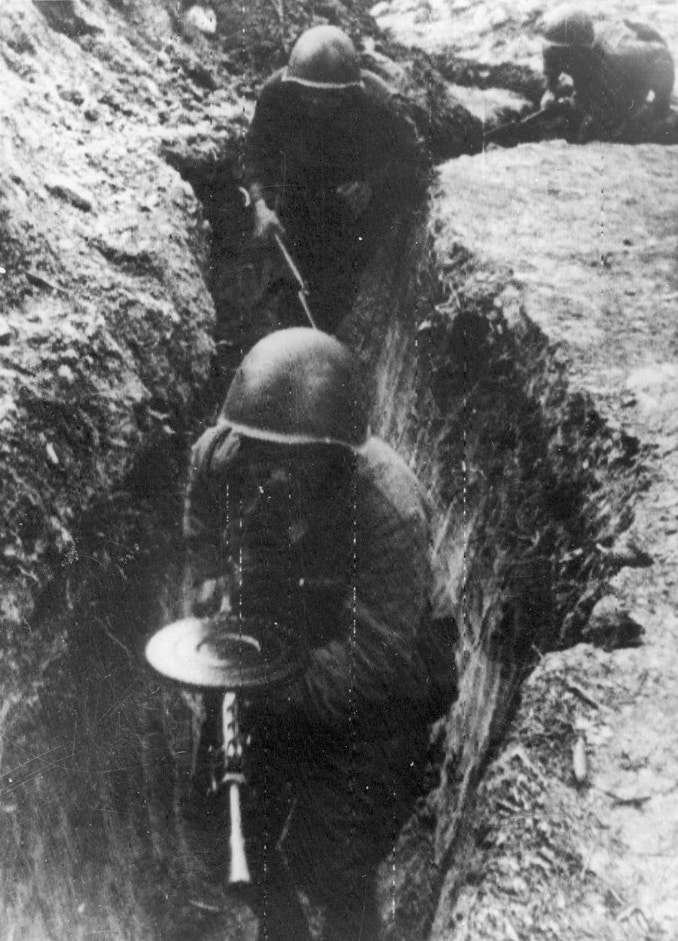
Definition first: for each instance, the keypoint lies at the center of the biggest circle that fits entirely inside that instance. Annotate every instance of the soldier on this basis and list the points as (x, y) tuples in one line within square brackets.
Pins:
[(621, 77), (331, 157), (301, 517)]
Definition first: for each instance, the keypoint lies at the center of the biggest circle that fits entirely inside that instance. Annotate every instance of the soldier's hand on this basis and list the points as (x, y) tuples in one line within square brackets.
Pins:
[(266, 223), (356, 195), (587, 130), (548, 99), (207, 597)]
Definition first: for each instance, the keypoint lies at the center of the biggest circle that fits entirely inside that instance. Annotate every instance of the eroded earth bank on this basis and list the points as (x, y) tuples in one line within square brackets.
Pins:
[(521, 334)]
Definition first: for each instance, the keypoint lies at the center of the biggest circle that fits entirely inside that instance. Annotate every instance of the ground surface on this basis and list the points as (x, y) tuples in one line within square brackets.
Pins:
[(504, 32), (591, 235)]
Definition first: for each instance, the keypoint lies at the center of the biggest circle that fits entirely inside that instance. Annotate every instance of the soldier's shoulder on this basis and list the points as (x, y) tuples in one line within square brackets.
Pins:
[(215, 449), (629, 38), (274, 84), (644, 32), (376, 88), (383, 471)]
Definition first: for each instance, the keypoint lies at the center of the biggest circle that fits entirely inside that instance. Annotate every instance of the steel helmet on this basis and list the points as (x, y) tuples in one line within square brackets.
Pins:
[(324, 57), (568, 26), (298, 386)]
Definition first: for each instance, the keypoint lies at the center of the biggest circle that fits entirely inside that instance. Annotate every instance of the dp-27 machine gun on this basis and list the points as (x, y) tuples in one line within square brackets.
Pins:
[(240, 658)]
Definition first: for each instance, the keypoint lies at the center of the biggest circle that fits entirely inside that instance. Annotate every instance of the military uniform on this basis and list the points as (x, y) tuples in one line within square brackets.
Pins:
[(298, 161), (347, 562), (613, 79)]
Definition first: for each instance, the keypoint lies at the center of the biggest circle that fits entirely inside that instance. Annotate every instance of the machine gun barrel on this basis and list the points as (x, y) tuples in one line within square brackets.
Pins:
[(527, 129), (233, 749)]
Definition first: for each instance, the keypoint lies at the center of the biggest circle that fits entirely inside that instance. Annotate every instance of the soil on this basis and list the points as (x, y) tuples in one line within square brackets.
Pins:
[(556, 856), (525, 360), (577, 830)]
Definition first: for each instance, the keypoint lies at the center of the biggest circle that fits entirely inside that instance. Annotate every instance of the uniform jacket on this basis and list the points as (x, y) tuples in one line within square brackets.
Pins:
[(369, 137), (612, 81), (350, 569)]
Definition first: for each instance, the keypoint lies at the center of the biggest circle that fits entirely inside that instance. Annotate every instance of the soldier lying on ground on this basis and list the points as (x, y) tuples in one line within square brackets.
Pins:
[(332, 156), (300, 517), (621, 77)]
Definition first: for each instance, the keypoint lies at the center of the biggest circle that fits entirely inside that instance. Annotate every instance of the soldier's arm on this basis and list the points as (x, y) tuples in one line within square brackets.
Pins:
[(399, 154), (375, 656), (265, 138), (556, 78), (202, 518), (263, 145), (663, 80)]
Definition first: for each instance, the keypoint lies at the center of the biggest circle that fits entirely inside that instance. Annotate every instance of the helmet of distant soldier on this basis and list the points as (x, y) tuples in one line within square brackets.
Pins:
[(298, 386), (568, 27), (324, 57)]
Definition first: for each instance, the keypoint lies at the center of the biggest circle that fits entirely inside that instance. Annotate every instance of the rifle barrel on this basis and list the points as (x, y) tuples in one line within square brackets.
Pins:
[(298, 277), (514, 129)]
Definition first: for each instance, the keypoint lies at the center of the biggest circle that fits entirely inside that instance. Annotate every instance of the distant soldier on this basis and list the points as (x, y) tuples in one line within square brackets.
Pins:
[(332, 156), (301, 518), (621, 77)]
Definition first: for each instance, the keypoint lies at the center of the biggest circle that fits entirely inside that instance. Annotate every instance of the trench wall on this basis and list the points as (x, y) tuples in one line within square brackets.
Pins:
[(526, 481)]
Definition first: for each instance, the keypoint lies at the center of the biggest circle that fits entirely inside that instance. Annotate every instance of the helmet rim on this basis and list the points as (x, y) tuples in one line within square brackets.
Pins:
[(299, 386), (324, 57), (284, 438), (553, 44), (325, 86)]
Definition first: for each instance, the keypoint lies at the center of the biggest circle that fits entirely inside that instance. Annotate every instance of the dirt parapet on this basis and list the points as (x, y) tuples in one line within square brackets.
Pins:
[(528, 481)]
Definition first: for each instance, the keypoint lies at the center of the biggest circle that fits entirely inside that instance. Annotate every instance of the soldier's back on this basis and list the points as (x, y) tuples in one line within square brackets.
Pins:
[(637, 62)]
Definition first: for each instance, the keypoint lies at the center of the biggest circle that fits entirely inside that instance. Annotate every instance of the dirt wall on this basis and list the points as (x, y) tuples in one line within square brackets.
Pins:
[(516, 465)]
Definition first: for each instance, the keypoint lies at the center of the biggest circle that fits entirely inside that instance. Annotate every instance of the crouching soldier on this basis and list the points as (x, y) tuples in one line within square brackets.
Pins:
[(621, 78), (332, 157), (300, 517)]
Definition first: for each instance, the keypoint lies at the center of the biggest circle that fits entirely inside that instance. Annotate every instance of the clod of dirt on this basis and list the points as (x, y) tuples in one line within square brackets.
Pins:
[(610, 626)]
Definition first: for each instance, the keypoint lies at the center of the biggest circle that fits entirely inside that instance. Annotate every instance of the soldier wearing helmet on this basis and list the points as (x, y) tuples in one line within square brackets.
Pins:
[(331, 155), (307, 519), (621, 77)]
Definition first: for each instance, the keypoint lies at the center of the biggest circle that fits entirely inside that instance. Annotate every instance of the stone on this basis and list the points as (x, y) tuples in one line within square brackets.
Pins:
[(71, 192)]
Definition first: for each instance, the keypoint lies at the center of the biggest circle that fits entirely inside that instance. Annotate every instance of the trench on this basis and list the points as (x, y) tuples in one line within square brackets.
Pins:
[(525, 484)]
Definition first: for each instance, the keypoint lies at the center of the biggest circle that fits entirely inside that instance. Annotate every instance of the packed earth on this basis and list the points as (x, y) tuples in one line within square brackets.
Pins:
[(520, 329)]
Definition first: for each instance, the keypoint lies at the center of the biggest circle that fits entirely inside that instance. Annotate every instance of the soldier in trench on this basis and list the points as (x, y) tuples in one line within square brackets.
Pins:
[(617, 80), (295, 514), (332, 159)]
